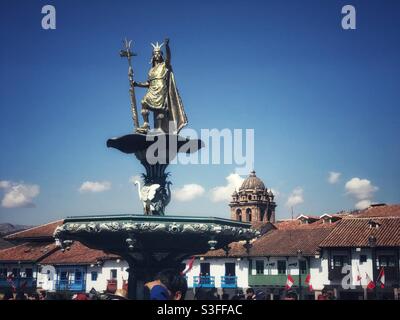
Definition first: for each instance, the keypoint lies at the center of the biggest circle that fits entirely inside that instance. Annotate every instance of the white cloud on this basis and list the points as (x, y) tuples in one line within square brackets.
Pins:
[(188, 192), (94, 186), (363, 204), (333, 177), (224, 193), (18, 194), (361, 189), (295, 198), (5, 184)]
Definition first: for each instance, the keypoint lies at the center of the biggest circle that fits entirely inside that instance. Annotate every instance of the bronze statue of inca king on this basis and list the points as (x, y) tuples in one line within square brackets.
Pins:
[(162, 96)]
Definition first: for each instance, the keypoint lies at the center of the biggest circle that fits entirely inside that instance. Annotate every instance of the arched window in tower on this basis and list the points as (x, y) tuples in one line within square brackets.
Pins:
[(248, 214), (239, 215)]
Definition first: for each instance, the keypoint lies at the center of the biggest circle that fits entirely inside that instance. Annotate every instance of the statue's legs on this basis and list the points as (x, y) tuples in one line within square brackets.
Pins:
[(145, 114), (159, 120)]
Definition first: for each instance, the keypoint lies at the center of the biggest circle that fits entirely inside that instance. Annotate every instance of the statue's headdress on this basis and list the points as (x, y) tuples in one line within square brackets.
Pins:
[(157, 47)]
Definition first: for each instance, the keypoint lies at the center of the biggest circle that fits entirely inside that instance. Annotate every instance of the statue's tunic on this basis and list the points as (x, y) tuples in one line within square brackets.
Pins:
[(163, 95), (158, 89)]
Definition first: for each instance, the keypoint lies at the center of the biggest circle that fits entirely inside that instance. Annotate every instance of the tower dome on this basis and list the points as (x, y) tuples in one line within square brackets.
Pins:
[(252, 182), (253, 202)]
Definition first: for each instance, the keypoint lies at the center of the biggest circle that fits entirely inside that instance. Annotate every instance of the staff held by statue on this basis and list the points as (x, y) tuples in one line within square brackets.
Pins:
[(127, 53)]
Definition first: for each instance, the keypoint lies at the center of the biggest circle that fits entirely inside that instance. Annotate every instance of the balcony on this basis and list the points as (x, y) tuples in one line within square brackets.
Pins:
[(70, 285), (18, 282), (228, 282), (203, 282), (278, 280)]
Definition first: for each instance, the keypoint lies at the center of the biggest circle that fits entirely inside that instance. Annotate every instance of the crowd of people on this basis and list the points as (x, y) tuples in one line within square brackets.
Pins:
[(167, 285)]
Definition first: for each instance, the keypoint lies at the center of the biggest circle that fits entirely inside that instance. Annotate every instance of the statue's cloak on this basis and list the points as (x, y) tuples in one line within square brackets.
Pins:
[(176, 118)]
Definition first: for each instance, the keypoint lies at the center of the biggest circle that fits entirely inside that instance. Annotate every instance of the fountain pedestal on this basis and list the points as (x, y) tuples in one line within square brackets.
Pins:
[(152, 243)]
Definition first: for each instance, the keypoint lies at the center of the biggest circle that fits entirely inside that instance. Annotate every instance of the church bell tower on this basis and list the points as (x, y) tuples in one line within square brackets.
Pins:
[(253, 202)]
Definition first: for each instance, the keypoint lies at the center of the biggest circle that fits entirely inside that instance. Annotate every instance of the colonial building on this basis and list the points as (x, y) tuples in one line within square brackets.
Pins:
[(36, 262), (361, 247), (345, 253), (253, 202), (288, 248)]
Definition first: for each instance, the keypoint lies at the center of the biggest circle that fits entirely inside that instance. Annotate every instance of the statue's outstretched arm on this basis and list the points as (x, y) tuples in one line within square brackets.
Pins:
[(168, 52), (141, 84)]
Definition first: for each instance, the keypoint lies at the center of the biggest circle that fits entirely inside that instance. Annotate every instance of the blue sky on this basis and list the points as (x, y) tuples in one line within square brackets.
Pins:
[(319, 98)]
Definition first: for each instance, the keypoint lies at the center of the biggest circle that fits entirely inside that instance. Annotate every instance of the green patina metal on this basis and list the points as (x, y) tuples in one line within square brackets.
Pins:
[(156, 219)]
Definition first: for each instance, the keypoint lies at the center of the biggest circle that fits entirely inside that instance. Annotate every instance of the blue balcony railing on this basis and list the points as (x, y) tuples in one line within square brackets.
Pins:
[(228, 282), (18, 282), (70, 285), (203, 282)]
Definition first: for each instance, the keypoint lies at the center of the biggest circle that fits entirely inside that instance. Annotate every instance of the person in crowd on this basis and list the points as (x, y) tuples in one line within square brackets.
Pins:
[(20, 295), (225, 296), (8, 294), (260, 295), (250, 295), (169, 284), (80, 296), (120, 294), (330, 295), (290, 295), (33, 296), (42, 295), (238, 295)]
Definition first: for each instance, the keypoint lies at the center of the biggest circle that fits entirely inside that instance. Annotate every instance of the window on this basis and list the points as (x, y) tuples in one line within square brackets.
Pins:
[(340, 261), (230, 269), (113, 274), (363, 258), (204, 269), (259, 267), (3, 272), (303, 266), (29, 273), (78, 275), (248, 214), (16, 272), (94, 275), (281, 267), (387, 261), (239, 215)]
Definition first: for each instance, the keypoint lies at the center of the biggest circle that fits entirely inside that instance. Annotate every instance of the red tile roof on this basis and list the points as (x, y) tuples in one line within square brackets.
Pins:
[(284, 241), (5, 244), (287, 242), (27, 252), (78, 254), (355, 232), (43, 231), (297, 224), (379, 211), (236, 249)]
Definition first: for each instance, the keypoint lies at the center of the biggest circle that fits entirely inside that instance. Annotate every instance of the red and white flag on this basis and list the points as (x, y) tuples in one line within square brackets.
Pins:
[(370, 283), (188, 266), (358, 274), (289, 282), (308, 282), (381, 278)]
